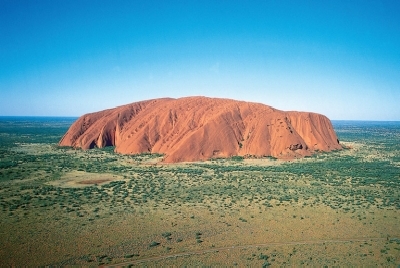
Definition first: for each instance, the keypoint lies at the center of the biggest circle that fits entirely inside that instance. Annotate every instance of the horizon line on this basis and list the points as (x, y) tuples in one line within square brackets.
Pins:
[(77, 116)]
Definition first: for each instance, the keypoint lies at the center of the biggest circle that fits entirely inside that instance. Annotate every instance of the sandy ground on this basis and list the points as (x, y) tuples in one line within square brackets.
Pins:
[(77, 179)]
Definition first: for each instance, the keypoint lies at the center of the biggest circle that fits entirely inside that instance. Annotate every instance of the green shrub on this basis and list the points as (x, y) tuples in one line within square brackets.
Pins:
[(166, 234), (154, 244)]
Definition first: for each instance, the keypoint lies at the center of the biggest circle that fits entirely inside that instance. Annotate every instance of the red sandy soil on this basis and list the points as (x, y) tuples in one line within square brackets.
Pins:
[(199, 128), (92, 181)]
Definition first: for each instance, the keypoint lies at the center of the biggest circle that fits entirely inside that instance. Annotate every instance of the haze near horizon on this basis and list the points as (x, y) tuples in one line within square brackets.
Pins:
[(68, 58)]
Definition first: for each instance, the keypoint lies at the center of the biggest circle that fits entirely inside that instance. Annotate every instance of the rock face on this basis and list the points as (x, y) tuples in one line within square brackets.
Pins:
[(199, 128)]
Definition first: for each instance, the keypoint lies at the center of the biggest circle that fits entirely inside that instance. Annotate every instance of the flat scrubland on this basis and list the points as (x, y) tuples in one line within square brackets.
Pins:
[(61, 206)]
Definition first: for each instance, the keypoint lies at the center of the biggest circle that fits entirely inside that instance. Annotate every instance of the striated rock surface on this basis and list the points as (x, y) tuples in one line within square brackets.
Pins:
[(199, 128)]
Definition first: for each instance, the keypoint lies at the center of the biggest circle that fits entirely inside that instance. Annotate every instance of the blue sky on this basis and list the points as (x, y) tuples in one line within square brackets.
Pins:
[(67, 58)]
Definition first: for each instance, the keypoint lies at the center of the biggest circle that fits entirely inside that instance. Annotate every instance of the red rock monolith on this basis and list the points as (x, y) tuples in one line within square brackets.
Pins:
[(199, 128)]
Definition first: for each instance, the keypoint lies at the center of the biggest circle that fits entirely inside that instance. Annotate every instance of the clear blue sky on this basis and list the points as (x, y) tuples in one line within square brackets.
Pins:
[(67, 57)]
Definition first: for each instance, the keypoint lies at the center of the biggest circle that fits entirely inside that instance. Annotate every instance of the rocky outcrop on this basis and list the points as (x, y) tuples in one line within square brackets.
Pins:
[(199, 128)]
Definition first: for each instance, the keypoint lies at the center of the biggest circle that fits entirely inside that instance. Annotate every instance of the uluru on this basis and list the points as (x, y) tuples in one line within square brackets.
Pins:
[(200, 128)]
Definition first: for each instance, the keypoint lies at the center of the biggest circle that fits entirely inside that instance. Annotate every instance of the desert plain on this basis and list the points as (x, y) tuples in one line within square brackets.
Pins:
[(66, 206)]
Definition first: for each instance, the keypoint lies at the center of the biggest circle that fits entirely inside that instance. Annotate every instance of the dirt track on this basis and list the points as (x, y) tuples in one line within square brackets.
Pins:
[(156, 258)]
